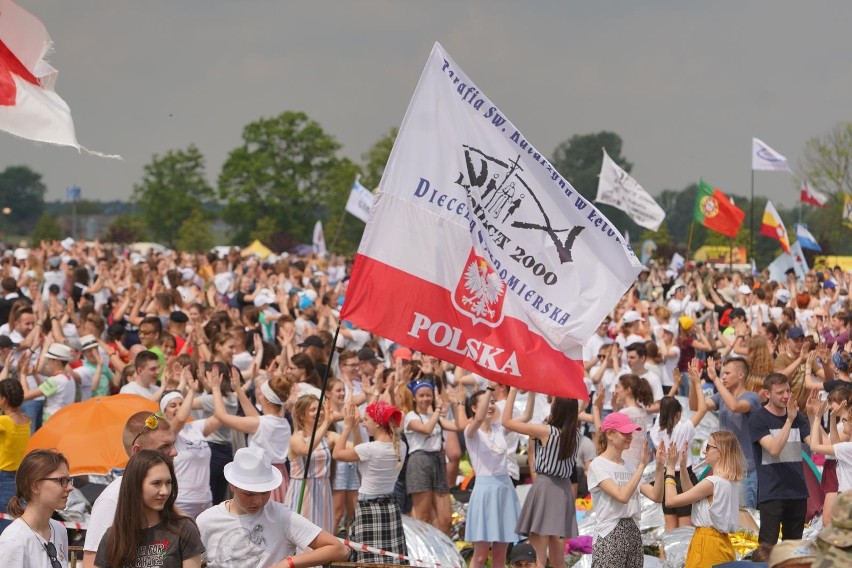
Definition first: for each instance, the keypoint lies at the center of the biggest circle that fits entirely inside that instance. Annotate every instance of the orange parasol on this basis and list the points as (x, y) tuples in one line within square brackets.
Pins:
[(89, 433)]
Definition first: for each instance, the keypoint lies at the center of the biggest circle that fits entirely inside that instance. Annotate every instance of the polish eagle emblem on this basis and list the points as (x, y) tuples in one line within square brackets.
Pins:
[(480, 292)]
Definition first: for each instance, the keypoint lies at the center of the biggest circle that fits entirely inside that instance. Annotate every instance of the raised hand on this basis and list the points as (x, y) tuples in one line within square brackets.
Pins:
[(671, 456)]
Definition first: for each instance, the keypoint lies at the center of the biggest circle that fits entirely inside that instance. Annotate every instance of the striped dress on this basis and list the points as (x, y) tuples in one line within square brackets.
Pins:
[(549, 506), (317, 505)]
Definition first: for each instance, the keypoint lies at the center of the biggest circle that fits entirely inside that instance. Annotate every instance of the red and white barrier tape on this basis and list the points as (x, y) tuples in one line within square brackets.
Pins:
[(417, 561), (68, 525)]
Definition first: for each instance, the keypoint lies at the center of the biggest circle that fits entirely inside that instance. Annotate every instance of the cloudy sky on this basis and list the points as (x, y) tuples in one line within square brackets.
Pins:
[(685, 84)]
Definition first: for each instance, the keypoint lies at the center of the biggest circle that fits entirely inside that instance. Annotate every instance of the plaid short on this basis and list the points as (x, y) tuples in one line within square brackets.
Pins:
[(378, 524)]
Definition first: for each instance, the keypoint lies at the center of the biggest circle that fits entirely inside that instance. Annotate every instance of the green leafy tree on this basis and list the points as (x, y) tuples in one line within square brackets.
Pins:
[(579, 160), (172, 189), (46, 229), (827, 159), (126, 229), (279, 172), (194, 234), (264, 230), (376, 158), (22, 191)]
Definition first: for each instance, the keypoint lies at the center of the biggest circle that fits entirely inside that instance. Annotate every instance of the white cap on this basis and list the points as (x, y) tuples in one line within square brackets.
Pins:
[(67, 243), (21, 253), (252, 470), (744, 289), (631, 316)]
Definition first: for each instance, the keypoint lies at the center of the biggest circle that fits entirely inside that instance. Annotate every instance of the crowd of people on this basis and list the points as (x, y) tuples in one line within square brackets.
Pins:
[(254, 460)]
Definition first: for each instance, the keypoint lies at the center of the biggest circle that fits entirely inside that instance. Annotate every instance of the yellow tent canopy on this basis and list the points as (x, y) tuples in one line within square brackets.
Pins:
[(257, 248)]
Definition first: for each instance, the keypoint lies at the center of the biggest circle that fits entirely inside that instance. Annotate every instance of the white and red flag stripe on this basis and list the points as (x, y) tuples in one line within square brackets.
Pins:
[(29, 106), (812, 196), (478, 251)]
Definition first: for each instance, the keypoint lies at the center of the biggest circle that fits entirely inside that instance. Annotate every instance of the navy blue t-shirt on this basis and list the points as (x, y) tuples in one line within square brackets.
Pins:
[(782, 477)]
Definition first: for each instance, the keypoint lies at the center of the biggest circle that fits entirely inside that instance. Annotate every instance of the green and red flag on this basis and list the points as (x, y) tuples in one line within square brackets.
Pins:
[(717, 212)]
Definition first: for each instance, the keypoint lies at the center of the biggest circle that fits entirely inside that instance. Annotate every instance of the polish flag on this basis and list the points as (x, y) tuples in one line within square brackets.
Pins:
[(29, 107), (478, 251), (812, 196)]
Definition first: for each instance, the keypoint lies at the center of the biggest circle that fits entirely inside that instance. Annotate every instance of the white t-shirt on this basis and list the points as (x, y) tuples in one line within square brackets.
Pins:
[(638, 416), (607, 383), (87, 378), (609, 511), (655, 381), (723, 514), (487, 451), (192, 465), (682, 433), (843, 452), (103, 513), (418, 441), (134, 387), (593, 347), (222, 282), (273, 435), (22, 548), (512, 440), (262, 539), (242, 361), (379, 467), (60, 391)]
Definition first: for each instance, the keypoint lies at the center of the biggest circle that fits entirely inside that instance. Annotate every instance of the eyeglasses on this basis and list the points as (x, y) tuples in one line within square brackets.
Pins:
[(65, 482), (151, 423), (51, 554), (711, 446)]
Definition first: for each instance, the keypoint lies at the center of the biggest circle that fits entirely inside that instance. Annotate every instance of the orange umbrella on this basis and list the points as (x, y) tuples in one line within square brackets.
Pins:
[(89, 433)]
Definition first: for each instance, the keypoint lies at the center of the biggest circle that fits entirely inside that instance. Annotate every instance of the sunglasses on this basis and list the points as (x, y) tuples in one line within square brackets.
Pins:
[(64, 482), (151, 423), (51, 554)]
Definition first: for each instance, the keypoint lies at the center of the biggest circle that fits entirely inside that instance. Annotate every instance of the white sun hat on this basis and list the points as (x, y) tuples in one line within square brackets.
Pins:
[(252, 470)]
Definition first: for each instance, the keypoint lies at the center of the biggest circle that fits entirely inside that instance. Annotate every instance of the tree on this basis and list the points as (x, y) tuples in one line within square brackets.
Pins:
[(194, 234), (126, 229), (172, 189), (579, 160), (22, 191), (47, 229), (827, 161), (376, 158), (278, 173)]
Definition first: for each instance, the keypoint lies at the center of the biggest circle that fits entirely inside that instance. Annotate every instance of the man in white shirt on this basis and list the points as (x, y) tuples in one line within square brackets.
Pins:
[(145, 382), (636, 355), (142, 431), (252, 530)]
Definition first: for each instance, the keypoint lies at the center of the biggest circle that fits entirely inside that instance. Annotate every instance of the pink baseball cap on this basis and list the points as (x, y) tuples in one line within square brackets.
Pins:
[(620, 423)]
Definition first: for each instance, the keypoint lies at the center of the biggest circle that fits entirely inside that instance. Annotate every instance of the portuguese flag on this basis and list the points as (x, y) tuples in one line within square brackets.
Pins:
[(716, 212)]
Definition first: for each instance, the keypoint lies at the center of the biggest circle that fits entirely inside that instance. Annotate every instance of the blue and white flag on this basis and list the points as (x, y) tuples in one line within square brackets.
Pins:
[(806, 239), (360, 201)]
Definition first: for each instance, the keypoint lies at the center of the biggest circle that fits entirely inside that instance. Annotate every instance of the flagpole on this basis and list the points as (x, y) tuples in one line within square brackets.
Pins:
[(731, 255), (751, 215), (316, 421), (689, 241), (337, 231)]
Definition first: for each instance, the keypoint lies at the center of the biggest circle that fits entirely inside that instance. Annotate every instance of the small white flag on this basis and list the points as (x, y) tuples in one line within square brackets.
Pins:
[(617, 188), (360, 201), (765, 158), (319, 240)]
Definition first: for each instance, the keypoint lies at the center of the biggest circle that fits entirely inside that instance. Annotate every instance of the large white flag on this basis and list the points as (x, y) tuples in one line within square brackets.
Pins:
[(617, 188), (478, 251), (765, 158), (29, 106), (360, 201), (795, 260)]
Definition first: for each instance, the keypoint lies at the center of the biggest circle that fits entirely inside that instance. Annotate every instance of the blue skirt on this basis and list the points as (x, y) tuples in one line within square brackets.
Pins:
[(492, 511)]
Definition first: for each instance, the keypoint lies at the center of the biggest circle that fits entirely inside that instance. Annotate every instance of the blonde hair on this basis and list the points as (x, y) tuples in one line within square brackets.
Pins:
[(301, 407), (731, 464), (760, 362)]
